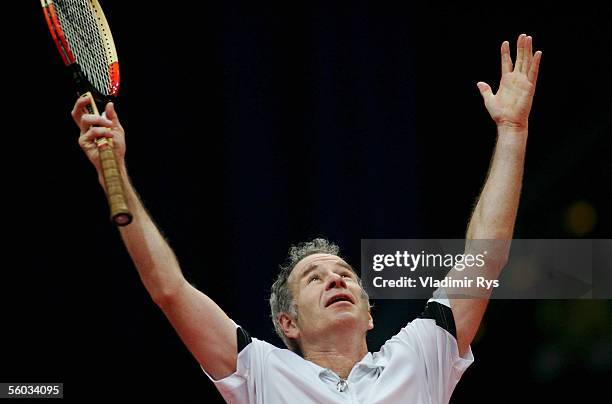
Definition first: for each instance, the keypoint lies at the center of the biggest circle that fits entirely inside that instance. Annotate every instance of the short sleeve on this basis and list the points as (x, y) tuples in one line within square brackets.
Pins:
[(441, 356), (239, 387), (435, 346)]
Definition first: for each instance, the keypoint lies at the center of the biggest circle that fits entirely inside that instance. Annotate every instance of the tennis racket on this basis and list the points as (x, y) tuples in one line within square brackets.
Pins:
[(82, 36)]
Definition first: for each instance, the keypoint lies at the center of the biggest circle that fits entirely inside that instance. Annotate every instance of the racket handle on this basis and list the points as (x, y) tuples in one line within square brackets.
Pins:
[(119, 211)]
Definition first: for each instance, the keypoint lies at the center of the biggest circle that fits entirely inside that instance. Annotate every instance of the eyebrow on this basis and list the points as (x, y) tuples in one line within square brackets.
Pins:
[(312, 267)]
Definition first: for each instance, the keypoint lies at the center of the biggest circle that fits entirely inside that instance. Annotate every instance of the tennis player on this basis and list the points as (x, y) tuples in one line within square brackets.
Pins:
[(319, 308)]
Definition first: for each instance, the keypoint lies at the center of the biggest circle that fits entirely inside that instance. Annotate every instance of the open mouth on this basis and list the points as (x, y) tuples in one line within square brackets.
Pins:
[(339, 298)]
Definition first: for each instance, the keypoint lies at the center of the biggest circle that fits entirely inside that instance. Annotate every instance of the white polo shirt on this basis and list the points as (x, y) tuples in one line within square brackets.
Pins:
[(420, 364)]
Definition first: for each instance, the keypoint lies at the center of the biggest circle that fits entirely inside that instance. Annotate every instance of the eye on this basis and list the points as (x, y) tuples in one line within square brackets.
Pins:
[(347, 275), (314, 277)]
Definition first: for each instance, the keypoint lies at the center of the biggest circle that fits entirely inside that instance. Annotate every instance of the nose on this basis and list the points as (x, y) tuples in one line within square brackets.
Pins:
[(335, 281)]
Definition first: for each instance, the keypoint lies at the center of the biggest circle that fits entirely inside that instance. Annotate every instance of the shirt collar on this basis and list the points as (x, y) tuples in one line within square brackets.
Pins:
[(366, 363), (369, 362)]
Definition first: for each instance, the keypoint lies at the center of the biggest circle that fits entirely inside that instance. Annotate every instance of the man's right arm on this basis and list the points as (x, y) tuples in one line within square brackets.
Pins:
[(208, 333), (205, 329)]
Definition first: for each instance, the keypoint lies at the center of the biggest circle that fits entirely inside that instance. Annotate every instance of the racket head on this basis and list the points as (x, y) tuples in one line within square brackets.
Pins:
[(83, 38)]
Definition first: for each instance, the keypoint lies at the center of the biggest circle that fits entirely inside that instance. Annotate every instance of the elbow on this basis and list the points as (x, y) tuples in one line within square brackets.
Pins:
[(498, 262), (497, 259), (501, 250), (166, 296), (496, 251), (161, 299)]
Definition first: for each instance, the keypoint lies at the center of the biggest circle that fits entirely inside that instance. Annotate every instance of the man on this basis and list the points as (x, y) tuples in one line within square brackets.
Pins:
[(318, 306)]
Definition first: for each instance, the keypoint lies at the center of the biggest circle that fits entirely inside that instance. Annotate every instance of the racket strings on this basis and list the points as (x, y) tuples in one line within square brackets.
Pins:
[(78, 22)]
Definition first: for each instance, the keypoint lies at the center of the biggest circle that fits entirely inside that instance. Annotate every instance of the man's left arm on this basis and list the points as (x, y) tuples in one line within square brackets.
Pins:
[(494, 216)]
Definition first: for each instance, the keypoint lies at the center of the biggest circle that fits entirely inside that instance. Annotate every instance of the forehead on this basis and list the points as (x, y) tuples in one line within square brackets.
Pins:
[(318, 259)]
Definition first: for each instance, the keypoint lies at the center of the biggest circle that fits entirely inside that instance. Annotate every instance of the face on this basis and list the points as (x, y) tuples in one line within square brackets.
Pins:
[(328, 298)]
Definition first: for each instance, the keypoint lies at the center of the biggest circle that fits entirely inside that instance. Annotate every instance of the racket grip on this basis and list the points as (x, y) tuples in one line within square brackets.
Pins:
[(119, 211)]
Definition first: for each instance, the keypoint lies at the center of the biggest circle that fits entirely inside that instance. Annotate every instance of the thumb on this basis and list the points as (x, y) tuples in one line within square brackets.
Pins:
[(110, 113), (485, 91)]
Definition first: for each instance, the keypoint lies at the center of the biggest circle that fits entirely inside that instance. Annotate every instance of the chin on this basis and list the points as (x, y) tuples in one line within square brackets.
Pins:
[(345, 317)]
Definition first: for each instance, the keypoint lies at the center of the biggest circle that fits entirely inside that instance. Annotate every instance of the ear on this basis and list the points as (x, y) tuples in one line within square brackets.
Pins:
[(289, 326), (370, 321)]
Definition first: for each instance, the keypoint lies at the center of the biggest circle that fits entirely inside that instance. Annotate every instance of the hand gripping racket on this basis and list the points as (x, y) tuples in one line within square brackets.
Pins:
[(85, 43)]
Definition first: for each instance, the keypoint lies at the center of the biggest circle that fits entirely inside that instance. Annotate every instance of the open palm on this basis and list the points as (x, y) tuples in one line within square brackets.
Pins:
[(511, 104)]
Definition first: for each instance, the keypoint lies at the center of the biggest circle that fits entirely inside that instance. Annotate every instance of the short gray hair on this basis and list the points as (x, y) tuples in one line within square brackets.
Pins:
[(281, 298)]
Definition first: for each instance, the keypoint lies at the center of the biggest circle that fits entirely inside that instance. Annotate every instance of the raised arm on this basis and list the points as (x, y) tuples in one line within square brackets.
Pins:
[(495, 212), (204, 328)]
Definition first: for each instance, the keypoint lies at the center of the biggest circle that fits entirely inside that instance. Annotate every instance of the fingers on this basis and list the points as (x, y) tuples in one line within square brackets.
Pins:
[(485, 91), (111, 114), (532, 75), (88, 120), (89, 137), (524, 55), (110, 111), (520, 52), (528, 55), (84, 120), (506, 60), (79, 110)]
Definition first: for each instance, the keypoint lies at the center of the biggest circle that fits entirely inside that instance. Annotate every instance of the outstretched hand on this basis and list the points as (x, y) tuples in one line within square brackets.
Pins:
[(511, 104)]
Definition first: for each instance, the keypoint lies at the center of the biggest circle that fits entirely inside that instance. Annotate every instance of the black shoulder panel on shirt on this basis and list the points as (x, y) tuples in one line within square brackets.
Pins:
[(243, 338), (443, 315)]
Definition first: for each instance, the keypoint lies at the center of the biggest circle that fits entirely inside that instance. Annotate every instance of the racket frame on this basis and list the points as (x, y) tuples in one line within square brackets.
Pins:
[(119, 210)]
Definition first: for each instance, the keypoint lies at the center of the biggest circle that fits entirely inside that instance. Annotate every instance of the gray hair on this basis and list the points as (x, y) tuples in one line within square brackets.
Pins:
[(281, 298)]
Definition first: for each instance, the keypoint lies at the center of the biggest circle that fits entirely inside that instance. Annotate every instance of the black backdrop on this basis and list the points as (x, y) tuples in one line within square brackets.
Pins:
[(251, 127)]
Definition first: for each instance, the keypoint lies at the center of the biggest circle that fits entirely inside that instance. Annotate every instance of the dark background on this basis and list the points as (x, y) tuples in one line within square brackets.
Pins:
[(252, 127)]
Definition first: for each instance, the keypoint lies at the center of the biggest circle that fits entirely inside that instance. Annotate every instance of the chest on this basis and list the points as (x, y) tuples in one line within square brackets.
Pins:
[(300, 382)]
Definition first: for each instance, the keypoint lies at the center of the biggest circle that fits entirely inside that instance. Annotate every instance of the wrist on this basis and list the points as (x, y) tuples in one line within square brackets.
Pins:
[(507, 125), (512, 133)]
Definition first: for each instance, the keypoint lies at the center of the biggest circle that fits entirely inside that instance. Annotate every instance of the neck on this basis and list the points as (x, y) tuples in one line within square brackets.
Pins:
[(338, 353)]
